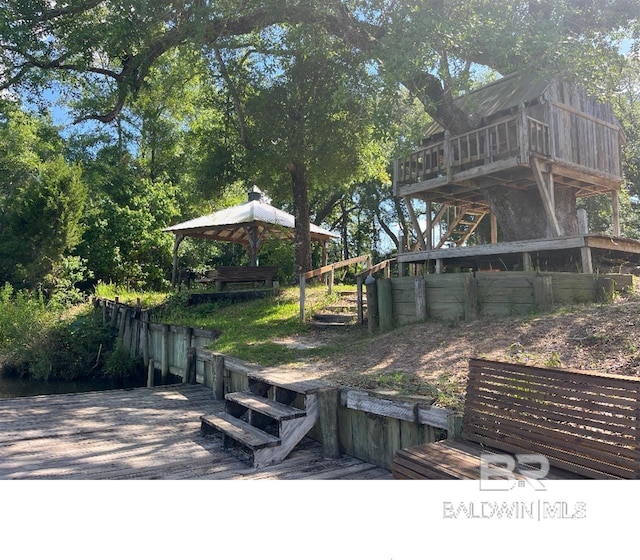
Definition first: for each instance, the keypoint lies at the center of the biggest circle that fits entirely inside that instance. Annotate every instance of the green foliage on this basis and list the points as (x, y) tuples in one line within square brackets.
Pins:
[(23, 320), (121, 365), (41, 207), (40, 341)]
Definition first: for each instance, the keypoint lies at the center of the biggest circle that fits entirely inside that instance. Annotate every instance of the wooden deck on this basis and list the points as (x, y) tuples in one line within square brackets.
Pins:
[(601, 245), (141, 434)]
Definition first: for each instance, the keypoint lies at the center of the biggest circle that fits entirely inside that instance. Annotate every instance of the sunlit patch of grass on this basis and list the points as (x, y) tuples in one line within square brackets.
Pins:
[(130, 297), (249, 328)]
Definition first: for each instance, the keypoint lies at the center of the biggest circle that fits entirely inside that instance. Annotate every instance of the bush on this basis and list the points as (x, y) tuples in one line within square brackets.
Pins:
[(43, 341), (121, 365)]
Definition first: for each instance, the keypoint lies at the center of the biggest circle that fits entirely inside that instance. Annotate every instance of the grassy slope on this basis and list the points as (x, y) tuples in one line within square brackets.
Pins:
[(425, 359)]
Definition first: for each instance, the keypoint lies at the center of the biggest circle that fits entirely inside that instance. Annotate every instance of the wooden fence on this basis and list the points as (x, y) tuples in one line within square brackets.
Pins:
[(465, 296)]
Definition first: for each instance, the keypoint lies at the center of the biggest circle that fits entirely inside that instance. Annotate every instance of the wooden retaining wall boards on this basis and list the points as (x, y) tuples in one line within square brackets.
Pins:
[(459, 296), (369, 426), (163, 347)]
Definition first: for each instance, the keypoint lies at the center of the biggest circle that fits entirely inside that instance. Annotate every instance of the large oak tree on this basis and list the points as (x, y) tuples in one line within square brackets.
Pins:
[(430, 47)]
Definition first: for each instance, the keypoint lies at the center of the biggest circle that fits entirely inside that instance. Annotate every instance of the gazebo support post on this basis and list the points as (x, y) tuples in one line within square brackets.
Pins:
[(174, 272), (254, 244)]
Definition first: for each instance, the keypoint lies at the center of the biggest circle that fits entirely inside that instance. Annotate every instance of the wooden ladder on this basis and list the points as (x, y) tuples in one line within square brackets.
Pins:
[(462, 227), (264, 420)]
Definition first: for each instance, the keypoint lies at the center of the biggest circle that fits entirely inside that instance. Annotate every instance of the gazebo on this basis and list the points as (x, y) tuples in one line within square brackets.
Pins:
[(248, 224)]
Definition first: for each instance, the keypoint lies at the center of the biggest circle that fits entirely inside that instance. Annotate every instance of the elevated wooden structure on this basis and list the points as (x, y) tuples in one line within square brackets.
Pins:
[(532, 134)]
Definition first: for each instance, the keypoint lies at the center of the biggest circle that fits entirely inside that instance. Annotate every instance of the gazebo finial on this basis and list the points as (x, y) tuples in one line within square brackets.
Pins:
[(254, 193)]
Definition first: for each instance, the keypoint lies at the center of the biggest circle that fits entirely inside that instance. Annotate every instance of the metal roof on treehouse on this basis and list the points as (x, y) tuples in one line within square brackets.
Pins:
[(248, 224)]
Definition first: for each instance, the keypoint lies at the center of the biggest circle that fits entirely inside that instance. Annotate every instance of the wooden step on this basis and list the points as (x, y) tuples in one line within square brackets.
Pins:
[(273, 409), (343, 318), (238, 430), (343, 307)]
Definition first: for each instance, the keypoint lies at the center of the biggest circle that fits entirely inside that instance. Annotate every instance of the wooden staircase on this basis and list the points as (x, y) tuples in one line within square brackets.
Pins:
[(265, 421), (342, 314), (462, 227)]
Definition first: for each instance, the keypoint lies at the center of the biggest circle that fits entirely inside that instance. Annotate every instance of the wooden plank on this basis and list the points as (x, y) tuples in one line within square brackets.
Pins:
[(140, 434), (360, 400), (240, 431), (268, 407), (506, 248)]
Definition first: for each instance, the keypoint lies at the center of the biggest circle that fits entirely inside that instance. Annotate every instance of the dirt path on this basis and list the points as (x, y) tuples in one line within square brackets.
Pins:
[(432, 358)]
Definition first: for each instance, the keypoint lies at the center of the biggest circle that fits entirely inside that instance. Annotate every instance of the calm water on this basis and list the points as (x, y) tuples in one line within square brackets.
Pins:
[(12, 387)]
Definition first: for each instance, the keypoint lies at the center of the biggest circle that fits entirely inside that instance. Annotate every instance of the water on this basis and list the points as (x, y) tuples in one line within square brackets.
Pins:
[(16, 387)]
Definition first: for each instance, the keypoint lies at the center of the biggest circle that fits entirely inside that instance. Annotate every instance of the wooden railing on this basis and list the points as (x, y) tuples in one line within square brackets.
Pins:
[(498, 141), (538, 137), (330, 270)]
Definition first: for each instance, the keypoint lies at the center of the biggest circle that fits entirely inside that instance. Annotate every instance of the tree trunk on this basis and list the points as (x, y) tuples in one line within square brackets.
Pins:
[(521, 215), (302, 235)]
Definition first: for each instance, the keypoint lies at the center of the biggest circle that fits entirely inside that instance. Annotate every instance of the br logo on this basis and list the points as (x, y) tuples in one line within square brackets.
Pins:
[(501, 471)]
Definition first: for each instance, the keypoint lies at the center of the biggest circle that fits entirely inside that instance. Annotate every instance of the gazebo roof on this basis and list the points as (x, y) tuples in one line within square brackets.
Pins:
[(235, 224)]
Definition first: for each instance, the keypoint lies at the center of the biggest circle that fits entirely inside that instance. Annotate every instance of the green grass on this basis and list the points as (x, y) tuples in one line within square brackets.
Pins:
[(130, 297), (250, 330)]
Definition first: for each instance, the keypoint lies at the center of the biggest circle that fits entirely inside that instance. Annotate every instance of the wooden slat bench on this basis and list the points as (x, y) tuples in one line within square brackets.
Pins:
[(586, 424), (241, 274)]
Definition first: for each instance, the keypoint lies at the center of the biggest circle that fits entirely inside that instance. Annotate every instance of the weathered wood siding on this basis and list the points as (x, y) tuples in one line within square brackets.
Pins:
[(166, 345), (498, 294), (585, 132)]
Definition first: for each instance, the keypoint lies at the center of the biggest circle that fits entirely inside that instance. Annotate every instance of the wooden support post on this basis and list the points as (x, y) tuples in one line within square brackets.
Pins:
[(359, 295), (144, 338), (470, 298), (190, 367), (421, 298), (114, 313), (454, 426), (494, 229), (188, 343), (526, 262), (429, 230), (218, 377), (164, 367), (587, 263), (124, 330), (372, 304), (332, 274), (546, 190), (583, 221), (448, 156), (328, 416), (151, 370), (402, 268), (385, 304), (523, 134), (438, 266), (605, 289), (543, 293), (303, 285), (615, 208)]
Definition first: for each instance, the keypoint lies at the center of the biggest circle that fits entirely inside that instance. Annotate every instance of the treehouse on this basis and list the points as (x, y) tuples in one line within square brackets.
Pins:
[(534, 148)]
